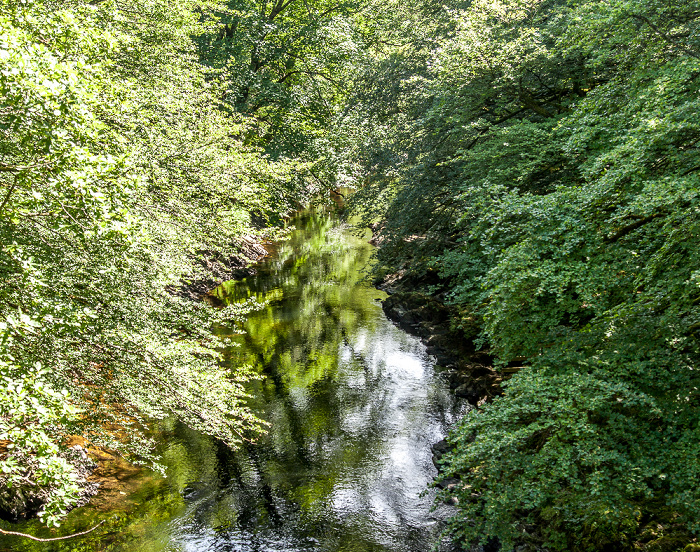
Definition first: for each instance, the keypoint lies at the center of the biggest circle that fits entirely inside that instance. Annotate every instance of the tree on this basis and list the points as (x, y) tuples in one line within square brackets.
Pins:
[(286, 63), (548, 173), (117, 168)]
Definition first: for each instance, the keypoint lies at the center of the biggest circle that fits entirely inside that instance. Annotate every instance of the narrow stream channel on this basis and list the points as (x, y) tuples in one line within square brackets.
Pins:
[(354, 404)]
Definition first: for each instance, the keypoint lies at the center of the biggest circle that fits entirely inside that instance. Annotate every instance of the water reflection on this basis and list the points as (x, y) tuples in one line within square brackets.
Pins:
[(354, 406)]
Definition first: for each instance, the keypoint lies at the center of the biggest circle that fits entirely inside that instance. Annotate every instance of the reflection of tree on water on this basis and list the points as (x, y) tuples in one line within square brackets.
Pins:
[(354, 408), (318, 346)]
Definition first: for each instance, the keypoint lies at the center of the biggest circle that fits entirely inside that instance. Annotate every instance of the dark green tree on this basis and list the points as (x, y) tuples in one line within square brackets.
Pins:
[(542, 160)]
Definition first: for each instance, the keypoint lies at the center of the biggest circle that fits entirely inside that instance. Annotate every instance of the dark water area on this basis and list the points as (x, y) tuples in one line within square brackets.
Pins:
[(354, 403)]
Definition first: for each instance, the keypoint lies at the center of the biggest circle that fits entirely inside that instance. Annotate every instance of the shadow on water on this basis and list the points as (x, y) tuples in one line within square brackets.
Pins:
[(354, 405)]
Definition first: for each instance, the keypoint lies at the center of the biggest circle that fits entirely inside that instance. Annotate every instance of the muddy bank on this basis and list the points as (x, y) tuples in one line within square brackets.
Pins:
[(103, 479)]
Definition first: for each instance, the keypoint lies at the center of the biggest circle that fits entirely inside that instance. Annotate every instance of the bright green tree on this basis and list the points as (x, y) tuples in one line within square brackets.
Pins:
[(117, 169), (286, 65)]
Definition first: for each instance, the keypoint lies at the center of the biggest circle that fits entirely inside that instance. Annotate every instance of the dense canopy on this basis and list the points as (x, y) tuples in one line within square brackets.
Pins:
[(541, 157), (533, 163)]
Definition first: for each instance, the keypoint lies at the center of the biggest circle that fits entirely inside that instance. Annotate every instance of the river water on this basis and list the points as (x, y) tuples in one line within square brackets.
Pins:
[(354, 404)]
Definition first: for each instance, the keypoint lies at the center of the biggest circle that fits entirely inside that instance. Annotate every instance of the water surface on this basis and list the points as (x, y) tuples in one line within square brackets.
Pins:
[(354, 405)]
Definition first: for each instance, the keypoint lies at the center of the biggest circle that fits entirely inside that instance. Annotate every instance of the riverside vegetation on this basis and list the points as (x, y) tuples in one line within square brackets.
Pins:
[(533, 164)]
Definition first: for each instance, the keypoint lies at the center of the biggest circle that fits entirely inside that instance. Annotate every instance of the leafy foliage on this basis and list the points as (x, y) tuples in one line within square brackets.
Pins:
[(548, 170), (539, 156), (285, 64), (117, 167), (29, 409)]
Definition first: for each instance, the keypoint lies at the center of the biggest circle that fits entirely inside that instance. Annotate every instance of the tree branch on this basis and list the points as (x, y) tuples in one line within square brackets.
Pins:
[(689, 171), (7, 195), (330, 10), (630, 228), (663, 35), (18, 168), (24, 535), (278, 8), (527, 99)]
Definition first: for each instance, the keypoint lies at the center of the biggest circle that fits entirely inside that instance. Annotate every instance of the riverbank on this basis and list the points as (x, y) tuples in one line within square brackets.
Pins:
[(469, 370), (215, 268), (472, 376)]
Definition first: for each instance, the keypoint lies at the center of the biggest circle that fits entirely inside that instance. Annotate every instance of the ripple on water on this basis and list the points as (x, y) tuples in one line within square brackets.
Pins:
[(355, 406)]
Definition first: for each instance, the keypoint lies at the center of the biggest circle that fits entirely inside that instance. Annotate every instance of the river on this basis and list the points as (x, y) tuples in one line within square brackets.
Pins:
[(354, 403)]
